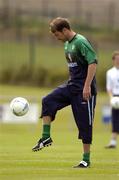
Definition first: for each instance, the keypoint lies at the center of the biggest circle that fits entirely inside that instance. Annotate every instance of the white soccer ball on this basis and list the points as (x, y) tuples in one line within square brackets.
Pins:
[(19, 106), (115, 102)]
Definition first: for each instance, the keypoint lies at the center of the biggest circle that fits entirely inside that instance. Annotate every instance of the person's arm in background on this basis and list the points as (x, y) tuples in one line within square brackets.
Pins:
[(110, 94), (109, 85)]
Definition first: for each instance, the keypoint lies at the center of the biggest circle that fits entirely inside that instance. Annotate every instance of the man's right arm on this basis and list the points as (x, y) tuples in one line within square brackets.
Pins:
[(109, 85)]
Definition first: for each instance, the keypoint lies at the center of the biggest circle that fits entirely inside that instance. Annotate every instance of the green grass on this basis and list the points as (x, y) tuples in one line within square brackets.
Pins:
[(17, 161), (48, 64), (17, 54), (50, 57)]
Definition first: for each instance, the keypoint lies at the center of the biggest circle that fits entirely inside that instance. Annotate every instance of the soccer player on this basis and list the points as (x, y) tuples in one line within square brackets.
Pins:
[(79, 91), (112, 86)]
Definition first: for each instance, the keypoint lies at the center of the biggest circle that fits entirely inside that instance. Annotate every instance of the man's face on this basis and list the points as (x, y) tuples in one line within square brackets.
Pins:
[(116, 61), (60, 36)]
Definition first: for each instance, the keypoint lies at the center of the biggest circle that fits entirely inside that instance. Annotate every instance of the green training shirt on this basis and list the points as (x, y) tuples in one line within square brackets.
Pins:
[(79, 54)]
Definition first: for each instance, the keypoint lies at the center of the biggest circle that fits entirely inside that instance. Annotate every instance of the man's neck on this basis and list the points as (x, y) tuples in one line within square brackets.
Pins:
[(117, 67), (71, 35)]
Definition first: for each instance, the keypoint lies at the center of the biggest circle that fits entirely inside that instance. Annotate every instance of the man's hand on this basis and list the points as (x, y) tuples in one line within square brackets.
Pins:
[(86, 93)]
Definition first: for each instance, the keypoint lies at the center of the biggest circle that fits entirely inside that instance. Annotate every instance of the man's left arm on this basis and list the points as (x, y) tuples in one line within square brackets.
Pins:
[(90, 75)]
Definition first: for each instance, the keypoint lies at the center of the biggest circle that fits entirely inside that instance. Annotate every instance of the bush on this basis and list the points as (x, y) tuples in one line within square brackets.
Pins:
[(32, 76)]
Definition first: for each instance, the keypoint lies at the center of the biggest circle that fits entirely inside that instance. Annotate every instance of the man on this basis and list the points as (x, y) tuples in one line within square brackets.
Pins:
[(112, 86), (79, 91)]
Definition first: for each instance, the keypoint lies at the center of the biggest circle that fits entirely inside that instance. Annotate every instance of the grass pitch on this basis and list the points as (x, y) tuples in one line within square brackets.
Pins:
[(56, 162)]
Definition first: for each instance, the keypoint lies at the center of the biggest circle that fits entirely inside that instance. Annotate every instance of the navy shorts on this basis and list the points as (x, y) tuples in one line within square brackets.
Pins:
[(83, 111), (115, 120)]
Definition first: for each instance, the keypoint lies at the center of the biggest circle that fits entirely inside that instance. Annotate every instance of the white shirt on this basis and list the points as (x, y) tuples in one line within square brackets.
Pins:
[(112, 80)]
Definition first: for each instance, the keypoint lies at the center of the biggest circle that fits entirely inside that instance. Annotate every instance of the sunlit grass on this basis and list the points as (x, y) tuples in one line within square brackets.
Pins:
[(17, 161)]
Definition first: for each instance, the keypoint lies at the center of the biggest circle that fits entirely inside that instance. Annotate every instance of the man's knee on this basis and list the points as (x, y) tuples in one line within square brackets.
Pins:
[(45, 100)]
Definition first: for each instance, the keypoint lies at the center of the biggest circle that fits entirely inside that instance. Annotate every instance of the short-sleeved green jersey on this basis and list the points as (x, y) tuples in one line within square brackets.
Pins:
[(79, 54)]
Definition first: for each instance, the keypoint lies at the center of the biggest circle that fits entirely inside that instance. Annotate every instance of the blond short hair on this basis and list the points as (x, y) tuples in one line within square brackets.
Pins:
[(116, 53)]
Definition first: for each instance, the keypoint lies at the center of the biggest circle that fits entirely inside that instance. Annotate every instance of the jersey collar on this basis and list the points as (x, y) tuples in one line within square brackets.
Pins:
[(72, 38)]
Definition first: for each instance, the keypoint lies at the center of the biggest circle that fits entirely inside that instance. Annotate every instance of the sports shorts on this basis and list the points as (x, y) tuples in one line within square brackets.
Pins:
[(115, 120), (83, 111)]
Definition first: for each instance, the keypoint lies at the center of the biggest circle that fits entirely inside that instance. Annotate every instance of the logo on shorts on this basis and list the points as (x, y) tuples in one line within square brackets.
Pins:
[(84, 102)]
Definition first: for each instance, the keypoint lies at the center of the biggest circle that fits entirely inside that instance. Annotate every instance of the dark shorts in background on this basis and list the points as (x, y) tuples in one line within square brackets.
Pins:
[(115, 120), (83, 111)]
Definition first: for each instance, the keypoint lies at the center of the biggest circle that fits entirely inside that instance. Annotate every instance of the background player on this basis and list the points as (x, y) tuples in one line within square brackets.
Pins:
[(112, 86)]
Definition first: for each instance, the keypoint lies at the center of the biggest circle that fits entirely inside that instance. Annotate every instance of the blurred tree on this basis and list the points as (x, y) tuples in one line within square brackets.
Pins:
[(111, 15), (6, 14), (18, 23)]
